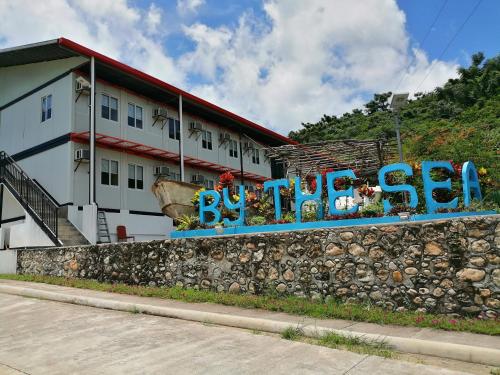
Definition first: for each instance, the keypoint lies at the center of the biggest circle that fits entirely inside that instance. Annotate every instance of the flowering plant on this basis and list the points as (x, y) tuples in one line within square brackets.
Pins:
[(226, 179), (366, 191)]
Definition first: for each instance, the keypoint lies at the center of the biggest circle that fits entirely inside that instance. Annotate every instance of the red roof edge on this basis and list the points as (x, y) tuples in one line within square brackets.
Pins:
[(155, 81)]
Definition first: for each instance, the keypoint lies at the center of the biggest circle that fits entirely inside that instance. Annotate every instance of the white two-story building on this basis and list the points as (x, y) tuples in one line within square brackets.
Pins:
[(89, 133)]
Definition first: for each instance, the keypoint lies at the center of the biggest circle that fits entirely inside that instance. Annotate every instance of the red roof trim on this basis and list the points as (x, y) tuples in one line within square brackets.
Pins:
[(155, 81)]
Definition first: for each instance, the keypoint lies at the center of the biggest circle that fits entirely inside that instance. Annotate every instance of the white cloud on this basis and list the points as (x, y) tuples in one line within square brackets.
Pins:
[(300, 61), (308, 58), (189, 6), (112, 27)]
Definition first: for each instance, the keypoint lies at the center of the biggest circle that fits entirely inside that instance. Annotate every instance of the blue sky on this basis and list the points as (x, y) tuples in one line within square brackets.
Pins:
[(276, 62), (481, 32)]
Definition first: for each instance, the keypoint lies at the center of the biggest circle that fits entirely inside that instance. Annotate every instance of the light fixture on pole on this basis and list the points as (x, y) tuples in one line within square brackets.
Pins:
[(398, 101)]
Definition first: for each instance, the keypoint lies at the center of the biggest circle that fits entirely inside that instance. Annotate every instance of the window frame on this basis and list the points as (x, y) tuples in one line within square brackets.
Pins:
[(109, 172), (175, 130), (233, 152), (109, 98), (46, 107), (134, 117), (136, 179), (206, 143), (256, 156)]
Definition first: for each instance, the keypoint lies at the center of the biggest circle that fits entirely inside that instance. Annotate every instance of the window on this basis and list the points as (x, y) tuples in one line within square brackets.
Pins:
[(255, 156), (134, 116), (249, 188), (174, 129), (109, 107), (135, 177), (233, 148), (206, 139), (109, 172), (209, 184), (46, 107)]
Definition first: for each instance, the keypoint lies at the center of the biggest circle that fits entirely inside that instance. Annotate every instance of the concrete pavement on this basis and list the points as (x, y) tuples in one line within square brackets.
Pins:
[(460, 346), (45, 337)]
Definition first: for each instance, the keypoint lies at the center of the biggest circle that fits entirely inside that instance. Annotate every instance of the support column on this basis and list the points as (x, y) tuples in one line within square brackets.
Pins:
[(181, 140), (92, 133)]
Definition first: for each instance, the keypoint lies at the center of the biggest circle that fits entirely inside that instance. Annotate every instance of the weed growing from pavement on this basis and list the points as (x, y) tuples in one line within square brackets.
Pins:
[(287, 304), (292, 333), (335, 341)]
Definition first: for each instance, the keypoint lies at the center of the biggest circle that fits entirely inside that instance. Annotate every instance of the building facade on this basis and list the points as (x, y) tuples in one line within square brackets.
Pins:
[(142, 129)]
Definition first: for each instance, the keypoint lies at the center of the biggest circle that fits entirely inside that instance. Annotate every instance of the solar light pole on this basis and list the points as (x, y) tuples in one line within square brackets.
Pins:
[(398, 101)]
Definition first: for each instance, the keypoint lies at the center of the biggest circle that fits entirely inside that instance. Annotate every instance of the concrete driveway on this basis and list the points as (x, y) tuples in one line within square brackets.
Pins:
[(43, 337)]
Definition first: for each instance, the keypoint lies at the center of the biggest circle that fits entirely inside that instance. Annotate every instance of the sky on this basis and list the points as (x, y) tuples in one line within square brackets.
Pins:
[(276, 62)]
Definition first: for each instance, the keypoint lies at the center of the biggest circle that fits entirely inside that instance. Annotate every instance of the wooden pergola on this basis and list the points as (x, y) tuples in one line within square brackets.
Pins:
[(366, 156)]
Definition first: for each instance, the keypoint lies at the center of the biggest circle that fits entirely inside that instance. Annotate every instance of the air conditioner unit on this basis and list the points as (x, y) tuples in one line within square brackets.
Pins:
[(82, 155), (197, 179), (160, 113), (82, 85), (162, 170), (224, 137), (249, 146), (195, 126)]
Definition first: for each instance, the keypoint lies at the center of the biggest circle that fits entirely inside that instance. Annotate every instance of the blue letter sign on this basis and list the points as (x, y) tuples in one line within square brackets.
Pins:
[(276, 184), (212, 207), (397, 188), (333, 194), (301, 198), (470, 181), (430, 185)]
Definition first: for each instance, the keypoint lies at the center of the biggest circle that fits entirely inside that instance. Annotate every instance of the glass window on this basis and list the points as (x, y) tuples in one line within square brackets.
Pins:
[(46, 107), (131, 115), (113, 105), (135, 177), (105, 106), (114, 173), (138, 117), (109, 107), (131, 176), (233, 148), (134, 116), (206, 139), (105, 172), (256, 156), (174, 129), (209, 184)]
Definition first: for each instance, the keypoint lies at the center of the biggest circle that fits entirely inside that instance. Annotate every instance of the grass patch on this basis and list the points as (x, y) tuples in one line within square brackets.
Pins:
[(357, 345), (495, 371), (335, 341), (292, 333), (291, 305)]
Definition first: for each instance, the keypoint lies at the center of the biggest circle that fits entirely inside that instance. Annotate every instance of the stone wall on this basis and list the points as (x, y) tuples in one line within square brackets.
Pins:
[(450, 266)]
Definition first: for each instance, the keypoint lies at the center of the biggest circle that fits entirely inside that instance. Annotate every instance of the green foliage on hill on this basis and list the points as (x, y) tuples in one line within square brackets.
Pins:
[(459, 121)]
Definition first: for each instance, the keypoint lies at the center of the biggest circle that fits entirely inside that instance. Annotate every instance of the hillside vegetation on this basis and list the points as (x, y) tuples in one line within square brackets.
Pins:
[(459, 121)]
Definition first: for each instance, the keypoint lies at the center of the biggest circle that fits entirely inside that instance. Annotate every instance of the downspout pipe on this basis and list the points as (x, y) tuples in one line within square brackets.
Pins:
[(181, 140), (242, 172)]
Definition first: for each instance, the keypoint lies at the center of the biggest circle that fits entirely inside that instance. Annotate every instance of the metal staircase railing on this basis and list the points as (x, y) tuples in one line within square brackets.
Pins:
[(38, 204)]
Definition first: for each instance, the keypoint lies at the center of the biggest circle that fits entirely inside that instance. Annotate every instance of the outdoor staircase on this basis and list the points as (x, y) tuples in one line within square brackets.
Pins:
[(68, 234), (37, 203)]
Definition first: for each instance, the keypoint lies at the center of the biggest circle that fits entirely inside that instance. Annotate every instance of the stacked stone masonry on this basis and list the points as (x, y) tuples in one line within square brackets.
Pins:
[(449, 266)]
